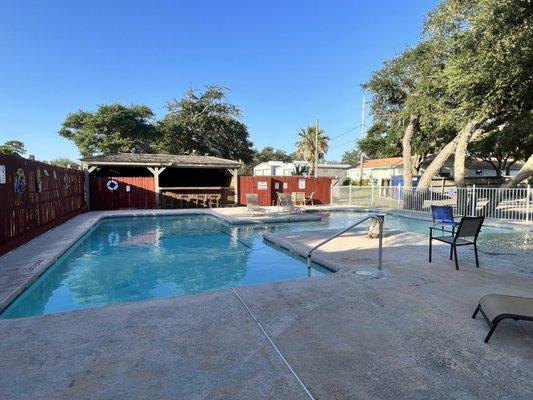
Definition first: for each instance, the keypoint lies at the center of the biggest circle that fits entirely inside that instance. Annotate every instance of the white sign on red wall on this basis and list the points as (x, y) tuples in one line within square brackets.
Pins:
[(262, 186)]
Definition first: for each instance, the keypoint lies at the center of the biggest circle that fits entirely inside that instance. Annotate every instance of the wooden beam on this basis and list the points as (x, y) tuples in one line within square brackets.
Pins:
[(235, 184)]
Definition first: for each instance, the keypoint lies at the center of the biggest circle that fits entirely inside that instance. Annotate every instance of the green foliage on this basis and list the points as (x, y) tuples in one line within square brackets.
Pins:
[(111, 128), (346, 182), (350, 157), (502, 148), (202, 123), (13, 148), (64, 162), (300, 169), (381, 141), (490, 47), (205, 123), (306, 147), (472, 66)]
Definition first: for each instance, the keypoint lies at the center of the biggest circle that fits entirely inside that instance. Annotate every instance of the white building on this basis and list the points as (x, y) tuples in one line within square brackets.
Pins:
[(267, 168), (278, 168), (378, 171), (381, 171)]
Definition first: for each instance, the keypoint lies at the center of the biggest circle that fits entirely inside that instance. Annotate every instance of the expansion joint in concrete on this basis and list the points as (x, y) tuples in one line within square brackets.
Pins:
[(273, 344)]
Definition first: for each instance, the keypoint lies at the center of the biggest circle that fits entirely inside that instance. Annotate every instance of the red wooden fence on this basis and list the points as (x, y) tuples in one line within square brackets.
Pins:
[(35, 195), (267, 187), (132, 192)]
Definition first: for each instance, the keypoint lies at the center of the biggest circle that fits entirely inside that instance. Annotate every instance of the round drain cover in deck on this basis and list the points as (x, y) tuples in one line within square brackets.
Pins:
[(364, 273)]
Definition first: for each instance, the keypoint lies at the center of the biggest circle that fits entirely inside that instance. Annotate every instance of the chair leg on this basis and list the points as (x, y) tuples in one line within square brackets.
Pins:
[(455, 256), (430, 239), (475, 253), (451, 252), (492, 329), (477, 310)]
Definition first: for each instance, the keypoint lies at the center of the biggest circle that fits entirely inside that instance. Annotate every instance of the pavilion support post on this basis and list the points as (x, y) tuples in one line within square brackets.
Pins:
[(156, 171), (235, 184), (87, 184)]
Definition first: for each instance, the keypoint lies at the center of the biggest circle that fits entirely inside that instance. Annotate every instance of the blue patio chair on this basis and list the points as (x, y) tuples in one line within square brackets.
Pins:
[(443, 217)]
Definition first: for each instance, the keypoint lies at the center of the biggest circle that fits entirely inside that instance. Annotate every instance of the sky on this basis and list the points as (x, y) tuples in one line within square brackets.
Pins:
[(285, 63)]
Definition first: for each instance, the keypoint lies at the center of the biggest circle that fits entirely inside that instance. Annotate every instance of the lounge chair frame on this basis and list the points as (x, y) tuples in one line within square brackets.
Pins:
[(494, 323), (456, 235), (252, 205)]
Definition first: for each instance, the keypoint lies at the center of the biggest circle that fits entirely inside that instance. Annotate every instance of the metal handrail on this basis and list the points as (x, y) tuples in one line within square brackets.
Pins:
[(379, 217)]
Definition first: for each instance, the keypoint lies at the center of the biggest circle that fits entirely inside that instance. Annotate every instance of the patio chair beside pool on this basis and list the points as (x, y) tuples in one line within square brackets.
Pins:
[(252, 205), (497, 307), (466, 234), (285, 204)]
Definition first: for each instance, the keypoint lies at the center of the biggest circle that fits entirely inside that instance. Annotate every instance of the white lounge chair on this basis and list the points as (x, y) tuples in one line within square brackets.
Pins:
[(252, 205), (286, 205)]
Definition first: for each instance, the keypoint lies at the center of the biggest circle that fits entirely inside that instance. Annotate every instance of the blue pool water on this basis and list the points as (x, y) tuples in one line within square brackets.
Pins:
[(132, 259)]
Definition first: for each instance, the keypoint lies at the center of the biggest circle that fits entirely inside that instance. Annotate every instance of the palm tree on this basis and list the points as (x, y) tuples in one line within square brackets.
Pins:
[(306, 146)]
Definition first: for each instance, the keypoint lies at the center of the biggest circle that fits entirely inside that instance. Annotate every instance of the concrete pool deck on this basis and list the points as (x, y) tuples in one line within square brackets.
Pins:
[(406, 335)]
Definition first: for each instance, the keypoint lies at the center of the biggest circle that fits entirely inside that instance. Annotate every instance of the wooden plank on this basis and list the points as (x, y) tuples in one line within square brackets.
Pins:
[(47, 198)]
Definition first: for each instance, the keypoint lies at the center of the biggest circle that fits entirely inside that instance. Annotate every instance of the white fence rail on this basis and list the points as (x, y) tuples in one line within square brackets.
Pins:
[(508, 204)]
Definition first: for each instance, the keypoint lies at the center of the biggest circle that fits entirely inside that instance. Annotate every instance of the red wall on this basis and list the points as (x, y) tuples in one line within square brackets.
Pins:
[(275, 184), (141, 194), (46, 200)]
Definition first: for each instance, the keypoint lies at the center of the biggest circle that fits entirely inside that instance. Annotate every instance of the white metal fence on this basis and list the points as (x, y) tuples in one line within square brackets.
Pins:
[(509, 204)]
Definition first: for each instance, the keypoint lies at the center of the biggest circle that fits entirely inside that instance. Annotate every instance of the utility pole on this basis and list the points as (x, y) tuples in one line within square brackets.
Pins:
[(363, 131), (316, 150)]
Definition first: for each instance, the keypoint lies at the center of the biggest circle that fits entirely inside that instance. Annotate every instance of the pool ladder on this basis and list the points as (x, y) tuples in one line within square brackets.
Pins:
[(378, 217)]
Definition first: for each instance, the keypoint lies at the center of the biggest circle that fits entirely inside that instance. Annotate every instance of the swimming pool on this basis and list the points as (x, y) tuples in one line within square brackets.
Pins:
[(132, 259), (136, 258)]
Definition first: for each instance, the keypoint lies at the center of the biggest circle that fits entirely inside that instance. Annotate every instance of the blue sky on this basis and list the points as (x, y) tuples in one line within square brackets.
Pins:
[(286, 62)]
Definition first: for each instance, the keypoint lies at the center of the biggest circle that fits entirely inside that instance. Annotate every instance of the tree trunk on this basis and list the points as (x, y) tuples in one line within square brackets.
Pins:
[(406, 152), (464, 135), (373, 230), (525, 172)]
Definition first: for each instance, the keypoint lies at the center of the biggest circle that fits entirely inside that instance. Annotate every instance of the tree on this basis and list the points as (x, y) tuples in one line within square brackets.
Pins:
[(488, 71), (504, 147), (526, 172), (408, 106), (111, 128), (381, 141), (350, 157), (306, 147), (13, 148), (64, 162), (205, 123)]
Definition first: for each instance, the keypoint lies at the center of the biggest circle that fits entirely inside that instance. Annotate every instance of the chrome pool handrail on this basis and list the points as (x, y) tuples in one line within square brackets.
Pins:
[(379, 217)]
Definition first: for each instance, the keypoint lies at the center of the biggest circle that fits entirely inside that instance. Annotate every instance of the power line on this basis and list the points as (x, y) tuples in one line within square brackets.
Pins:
[(345, 132), (342, 144)]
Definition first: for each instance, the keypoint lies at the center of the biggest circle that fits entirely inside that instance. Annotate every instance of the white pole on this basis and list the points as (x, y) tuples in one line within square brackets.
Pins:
[(528, 195), (363, 129), (399, 189), (316, 149), (473, 199)]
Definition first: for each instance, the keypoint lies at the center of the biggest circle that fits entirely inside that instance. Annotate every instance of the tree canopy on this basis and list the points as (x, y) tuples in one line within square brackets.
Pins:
[(64, 162), (200, 122), (206, 123), (111, 128), (13, 148), (465, 88)]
